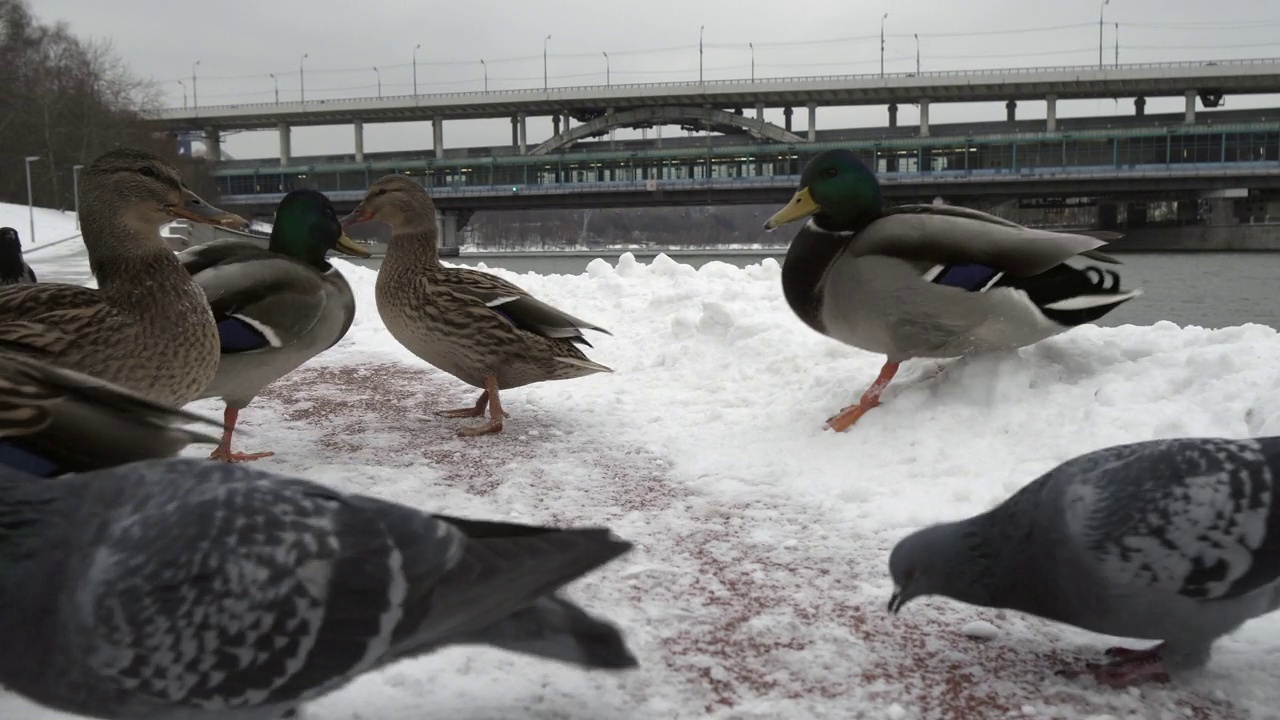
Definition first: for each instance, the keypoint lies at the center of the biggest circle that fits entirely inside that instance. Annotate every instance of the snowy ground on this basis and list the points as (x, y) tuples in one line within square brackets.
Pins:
[(759, 582)]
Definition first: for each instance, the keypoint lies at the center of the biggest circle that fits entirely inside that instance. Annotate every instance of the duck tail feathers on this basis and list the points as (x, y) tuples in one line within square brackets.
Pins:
[(582, 363)]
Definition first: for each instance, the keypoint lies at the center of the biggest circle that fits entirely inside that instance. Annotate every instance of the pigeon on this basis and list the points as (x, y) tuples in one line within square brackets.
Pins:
[(55, 421), (13, 269), (1173, 540), (184, 589)]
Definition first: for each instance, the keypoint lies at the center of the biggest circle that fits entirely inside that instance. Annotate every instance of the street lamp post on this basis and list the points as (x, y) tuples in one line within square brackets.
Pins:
[(753, 61), (917, 35), (1117, 44), (886, 17), (184, 94), (607, 81), (195, 94), (276, 80), (31, 212), (485, 67), (75, 190), (379, 74), (415, 68), (1102, 9), (302, 77), (544, 61), (701, 29)]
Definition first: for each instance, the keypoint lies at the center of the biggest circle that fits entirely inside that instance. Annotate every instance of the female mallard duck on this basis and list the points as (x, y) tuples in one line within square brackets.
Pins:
[(55, 421), (276, 308), (13, 269), (147, 325), (928, 281), (481, 329)]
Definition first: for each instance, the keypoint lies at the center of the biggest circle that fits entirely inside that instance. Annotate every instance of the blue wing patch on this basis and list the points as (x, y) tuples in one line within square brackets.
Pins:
[(26, 461), (239, 336), (971, 277)]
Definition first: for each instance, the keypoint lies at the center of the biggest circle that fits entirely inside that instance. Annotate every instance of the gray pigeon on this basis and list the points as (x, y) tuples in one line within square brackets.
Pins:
[(183, 589), (1173, 540)]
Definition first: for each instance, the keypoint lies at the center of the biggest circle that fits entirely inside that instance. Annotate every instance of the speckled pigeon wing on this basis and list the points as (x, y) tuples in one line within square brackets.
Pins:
[(1196, 517), (227, 588)]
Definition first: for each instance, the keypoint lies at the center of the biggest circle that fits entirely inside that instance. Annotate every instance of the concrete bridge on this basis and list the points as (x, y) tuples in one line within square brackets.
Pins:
[(723, 105)]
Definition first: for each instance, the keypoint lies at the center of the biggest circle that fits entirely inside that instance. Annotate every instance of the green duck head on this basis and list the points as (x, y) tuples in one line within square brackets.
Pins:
[(839, 192), (306, 228)]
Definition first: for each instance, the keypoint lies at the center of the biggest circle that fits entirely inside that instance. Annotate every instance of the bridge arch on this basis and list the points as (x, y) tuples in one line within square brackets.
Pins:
[(718, 120)]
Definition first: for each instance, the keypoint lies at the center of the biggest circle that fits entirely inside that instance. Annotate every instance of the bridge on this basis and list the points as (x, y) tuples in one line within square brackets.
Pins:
[(721, 105), (1113, 167)]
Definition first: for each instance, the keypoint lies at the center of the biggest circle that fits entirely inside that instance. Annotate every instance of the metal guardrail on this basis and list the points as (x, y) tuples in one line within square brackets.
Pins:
[(606, 91)]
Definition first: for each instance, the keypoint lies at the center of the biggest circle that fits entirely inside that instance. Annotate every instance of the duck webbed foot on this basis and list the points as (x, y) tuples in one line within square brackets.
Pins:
[(871, 398)]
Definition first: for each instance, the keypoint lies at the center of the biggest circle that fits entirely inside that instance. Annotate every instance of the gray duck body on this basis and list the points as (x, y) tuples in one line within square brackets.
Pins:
[(472, 324), (1175, 540), (306, 310), (924, 281), (188, 590)]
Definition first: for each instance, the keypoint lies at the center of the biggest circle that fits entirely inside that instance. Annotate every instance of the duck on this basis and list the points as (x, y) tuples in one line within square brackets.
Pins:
[(14, 270), (275, 307), (481, 329), (55, 421), (929, 281), (147, 326)]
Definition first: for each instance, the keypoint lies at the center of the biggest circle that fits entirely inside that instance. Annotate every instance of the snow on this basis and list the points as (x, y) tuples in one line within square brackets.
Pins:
[(759, 581)]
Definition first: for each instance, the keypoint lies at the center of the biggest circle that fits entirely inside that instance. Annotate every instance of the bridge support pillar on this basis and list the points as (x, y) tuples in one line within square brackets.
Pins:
[(447, 229), (1135, 215), (437, 135), (212, 145), (1188, 212), (893, 114), (555, 124), (1139, 106), (813, 122), (1190, 118), (285, 151), (1051, 113), (1108, 215), (524, 135), (515, 132), (566, 122), (924, 118), (786, 116), (358, 128), (1011, 110), (760, 112)]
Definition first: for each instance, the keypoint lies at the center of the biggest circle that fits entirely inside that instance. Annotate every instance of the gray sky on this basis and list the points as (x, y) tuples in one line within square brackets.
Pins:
[(239, 42)]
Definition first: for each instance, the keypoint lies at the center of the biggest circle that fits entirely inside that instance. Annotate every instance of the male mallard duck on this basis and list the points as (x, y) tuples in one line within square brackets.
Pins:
[(13, 269), (931, 281), (481, 329), (55, 421), (147, 326), (276, 308)]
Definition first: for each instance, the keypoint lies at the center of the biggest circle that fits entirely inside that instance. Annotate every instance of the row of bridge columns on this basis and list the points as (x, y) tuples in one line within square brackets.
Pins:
[(561, 123)]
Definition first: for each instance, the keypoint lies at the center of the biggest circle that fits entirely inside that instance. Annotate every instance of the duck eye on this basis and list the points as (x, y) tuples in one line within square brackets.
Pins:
[(147, 171), (831, 172)]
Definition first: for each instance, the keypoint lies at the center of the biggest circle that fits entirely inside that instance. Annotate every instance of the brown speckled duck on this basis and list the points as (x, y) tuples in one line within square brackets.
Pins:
[(479, 328), (147, 326), (55, 421)]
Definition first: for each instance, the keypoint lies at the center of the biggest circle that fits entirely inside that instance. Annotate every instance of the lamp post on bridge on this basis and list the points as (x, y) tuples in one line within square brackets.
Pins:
[(485, 67), (886, 17), (195, 94), (184, 94), (753, 61), (302, 77), (917, 36), (701, 29), (379, 74), (607, 82), (544, 61), (415, 69), (1102, 9), (276, 80)]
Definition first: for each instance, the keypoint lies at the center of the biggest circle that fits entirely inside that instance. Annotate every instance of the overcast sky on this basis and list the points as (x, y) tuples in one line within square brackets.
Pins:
[(240, 42)]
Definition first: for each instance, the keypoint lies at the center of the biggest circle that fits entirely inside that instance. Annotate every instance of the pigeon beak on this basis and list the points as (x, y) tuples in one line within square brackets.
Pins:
[(896, 601)]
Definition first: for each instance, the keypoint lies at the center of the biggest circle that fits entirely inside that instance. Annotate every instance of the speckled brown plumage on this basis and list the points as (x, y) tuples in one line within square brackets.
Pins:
[(147, 327), (479, 328)]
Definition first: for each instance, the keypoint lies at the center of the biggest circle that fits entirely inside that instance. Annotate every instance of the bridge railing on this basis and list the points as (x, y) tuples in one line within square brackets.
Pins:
[(622, 88)]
